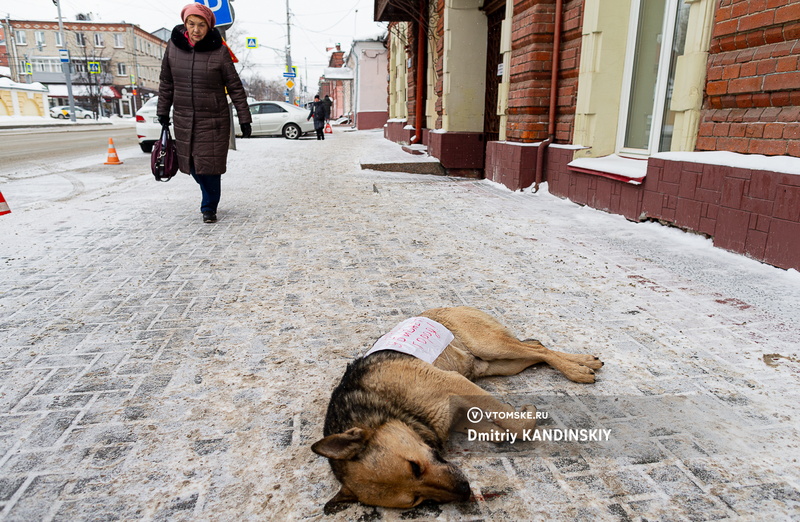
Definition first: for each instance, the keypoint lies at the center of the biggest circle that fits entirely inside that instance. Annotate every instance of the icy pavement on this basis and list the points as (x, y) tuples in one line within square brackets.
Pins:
[(156, 368)]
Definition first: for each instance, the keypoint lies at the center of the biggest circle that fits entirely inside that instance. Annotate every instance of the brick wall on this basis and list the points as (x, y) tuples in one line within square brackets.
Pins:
[(753, 92), (751, 212), (531, 59)]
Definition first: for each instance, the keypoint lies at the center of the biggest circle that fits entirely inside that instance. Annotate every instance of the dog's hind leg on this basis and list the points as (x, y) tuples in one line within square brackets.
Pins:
[(581, 358), (575, 367), (504, 354)]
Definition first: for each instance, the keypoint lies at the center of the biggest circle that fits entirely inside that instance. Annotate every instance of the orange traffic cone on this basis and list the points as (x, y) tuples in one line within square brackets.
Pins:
[(4, 209), (113, 159)]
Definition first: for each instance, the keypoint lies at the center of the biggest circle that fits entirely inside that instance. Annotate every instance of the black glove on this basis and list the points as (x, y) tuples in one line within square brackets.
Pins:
[(163, 119), (247, 130)]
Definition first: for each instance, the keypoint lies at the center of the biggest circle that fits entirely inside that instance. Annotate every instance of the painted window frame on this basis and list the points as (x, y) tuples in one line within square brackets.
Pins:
[(662, 79)]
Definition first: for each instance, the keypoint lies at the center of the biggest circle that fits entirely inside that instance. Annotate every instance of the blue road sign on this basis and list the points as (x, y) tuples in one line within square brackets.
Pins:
[(252, 43), (222, 10), (64, 53)]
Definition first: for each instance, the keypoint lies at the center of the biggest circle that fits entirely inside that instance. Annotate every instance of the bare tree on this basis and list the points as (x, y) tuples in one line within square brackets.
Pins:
[(91, 68), (262, 89)]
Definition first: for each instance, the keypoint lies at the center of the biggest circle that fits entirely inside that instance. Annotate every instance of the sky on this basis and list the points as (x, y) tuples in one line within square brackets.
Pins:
[(315, 26)]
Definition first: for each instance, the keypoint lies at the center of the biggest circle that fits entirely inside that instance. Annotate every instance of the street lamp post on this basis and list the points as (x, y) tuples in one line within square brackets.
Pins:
[(65, 65), (289, 51)]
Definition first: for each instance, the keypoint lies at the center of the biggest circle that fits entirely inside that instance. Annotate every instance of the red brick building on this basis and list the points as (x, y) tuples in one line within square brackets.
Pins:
[(682, 111)]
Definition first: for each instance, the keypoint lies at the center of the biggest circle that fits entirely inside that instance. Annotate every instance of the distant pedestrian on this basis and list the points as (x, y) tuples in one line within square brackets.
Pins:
[(318, 113), (328, 106), (196, 71)]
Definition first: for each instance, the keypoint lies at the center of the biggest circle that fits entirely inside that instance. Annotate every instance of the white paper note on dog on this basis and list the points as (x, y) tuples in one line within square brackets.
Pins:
[(419, 336)]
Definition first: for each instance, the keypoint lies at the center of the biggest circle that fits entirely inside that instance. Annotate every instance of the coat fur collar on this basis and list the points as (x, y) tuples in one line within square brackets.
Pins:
[(211, 42)]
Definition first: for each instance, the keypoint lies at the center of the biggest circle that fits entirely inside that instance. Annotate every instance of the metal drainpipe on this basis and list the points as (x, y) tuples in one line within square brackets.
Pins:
[(551, 124), (422, 64)]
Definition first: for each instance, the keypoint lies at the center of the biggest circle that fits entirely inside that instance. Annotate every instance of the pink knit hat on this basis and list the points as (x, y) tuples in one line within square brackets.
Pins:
[(200, 10)]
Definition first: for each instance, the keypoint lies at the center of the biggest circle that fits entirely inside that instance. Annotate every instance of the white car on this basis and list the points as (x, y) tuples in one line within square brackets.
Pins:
[(271, 118), (147, 127), (62, 112), (277, 118)]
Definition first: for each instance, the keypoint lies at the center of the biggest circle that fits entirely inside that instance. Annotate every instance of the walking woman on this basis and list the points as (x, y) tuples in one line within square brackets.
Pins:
[(195, 73)]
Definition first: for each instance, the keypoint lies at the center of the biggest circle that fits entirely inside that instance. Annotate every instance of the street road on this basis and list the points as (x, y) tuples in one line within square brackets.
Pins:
[(44, 164), (32, 146)]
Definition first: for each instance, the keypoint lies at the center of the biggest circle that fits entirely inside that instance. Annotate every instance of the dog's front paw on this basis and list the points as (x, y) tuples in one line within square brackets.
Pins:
[(577, 372), (587, 360), (518, 420), (529, 411)]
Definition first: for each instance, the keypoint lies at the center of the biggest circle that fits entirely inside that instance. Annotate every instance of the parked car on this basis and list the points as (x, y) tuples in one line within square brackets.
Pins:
[(343, 120), (62, 112), (277, 118), (270, 118), (148, 129)]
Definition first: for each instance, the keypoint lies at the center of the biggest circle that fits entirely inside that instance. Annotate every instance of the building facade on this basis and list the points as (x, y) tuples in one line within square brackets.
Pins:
[(114, 66), (368, 61), (678, 111)]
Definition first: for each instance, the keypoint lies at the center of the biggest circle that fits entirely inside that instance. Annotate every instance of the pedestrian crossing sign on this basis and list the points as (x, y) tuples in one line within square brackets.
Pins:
[(94, 67), (252, 43)]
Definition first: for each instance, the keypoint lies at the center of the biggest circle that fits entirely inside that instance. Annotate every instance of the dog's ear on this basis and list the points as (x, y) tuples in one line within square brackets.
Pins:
[(342, 446), (339, 501)]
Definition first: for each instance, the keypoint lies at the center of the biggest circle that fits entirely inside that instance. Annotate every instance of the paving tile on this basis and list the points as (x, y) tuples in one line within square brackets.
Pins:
[(156, 368)]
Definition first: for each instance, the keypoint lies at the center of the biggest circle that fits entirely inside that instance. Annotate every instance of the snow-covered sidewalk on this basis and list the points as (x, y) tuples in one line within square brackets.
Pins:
[(155, 367)]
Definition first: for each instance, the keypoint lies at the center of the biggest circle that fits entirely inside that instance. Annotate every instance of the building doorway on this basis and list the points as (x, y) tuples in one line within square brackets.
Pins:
[(495, 11)]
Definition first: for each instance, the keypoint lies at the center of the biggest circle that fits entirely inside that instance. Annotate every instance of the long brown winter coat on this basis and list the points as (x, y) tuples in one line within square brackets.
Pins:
[(193, 82)]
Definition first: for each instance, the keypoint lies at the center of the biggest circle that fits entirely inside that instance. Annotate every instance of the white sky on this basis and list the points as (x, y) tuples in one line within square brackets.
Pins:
[(316, 25)]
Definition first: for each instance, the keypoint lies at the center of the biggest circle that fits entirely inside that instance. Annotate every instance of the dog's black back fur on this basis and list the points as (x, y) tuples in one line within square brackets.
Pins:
[(352, 406)]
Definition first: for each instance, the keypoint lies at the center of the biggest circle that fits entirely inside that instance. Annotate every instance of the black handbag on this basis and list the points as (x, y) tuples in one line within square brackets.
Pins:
[(164, 157)]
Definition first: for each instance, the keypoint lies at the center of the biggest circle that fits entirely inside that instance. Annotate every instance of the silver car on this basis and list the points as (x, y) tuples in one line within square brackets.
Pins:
[(277, 118), (270, 118)]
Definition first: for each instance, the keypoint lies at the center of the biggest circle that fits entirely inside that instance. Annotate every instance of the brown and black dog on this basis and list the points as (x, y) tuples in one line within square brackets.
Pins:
[(391, 414)]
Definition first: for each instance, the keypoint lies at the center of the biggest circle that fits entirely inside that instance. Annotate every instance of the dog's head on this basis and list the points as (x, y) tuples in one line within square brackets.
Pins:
[(390, 466)]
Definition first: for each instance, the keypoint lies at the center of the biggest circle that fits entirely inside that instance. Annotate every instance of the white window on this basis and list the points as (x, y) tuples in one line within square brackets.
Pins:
[(98, 40), (656, 39), (46, 65), (119, 40), (80, 39), (20, 38), (59, 40), (80, 67), (39, 36), (122, 69)]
